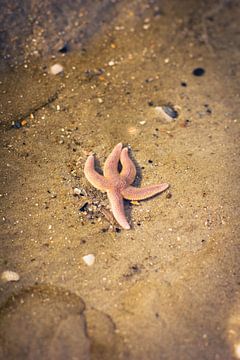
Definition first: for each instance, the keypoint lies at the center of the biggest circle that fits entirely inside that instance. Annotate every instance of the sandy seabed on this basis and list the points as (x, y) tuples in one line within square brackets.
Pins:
[(168, 288)]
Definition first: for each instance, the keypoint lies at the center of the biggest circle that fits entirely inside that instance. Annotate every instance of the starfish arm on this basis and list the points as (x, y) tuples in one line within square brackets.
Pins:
[(97, 180), (116, 202), (133, 193), (111, 164), (128, 168)]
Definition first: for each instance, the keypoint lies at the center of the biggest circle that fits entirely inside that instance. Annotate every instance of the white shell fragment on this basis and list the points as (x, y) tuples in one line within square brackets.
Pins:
[(111, 63), (56, 69), (89, 259), (8, 275), (79, 192)]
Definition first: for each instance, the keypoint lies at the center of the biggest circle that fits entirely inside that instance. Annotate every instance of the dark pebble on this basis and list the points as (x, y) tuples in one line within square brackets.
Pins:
[(170, 111), (184, 84), (210, 18), (90, 74), (135, 268), (84, 207), (186, 123), (64, 49), (148, 80), (150, 103), (16, 125), (198, 72), (157, 13), (168, 196), (208, 110)]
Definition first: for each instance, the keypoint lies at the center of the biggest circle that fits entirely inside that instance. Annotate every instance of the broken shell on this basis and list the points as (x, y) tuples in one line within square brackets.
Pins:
[(9, 276), (79, 192)]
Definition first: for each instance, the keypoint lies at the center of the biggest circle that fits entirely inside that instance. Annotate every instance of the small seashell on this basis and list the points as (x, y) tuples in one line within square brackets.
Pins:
[(9, 276), (56, 69), (166, 111), (89, 259)]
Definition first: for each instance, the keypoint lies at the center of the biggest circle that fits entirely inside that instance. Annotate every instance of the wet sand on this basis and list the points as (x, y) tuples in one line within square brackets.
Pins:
[(169, 287)]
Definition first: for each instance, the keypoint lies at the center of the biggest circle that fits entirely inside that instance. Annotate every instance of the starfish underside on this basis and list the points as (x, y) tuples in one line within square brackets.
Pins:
[(118, 185)]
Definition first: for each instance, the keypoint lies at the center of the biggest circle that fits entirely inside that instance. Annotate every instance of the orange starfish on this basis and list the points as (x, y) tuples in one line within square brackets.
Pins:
[(118, 185)]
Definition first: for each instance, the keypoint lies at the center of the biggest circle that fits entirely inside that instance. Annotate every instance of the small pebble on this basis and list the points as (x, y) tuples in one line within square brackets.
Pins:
[(89, 259), (79, 192), (198, 72), (111, 63), (23, 122), (84, 207), (146, 26), (186, 123), (16, 124), (184, 84), (167, 111), (56, 69), (64, 49), (170, 111), (9, 276)]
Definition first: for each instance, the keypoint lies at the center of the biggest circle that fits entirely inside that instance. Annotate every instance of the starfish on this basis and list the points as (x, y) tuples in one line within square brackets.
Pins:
[(118, 185)]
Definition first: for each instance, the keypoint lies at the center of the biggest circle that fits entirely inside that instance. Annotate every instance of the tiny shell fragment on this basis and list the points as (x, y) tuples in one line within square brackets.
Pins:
[(89, 259), (9, 276)]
